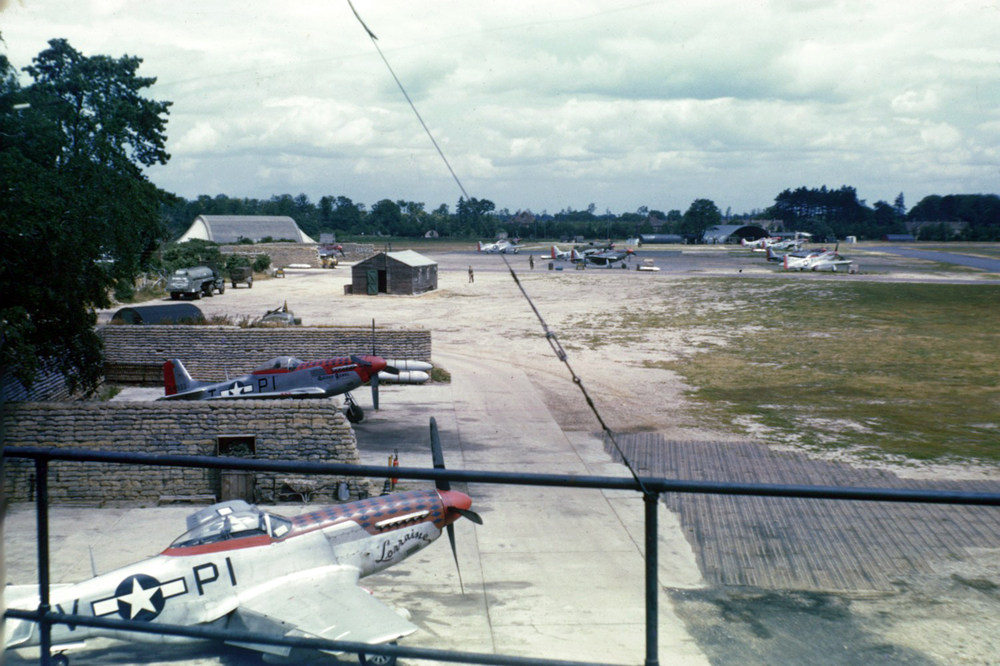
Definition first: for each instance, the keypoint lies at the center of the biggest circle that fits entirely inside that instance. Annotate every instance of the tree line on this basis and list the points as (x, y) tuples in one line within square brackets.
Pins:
[(825, 213), (80, 220)]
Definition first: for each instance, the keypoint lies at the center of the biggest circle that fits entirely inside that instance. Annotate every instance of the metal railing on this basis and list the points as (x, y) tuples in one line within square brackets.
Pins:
[(653, 488)]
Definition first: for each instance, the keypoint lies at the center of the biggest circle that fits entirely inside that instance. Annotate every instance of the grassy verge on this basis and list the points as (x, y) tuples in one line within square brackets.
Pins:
[(906, 369)]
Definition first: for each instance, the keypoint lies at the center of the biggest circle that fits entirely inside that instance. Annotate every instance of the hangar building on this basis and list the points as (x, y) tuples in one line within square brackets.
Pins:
[(732, 233), (405, 272), (233, 228)]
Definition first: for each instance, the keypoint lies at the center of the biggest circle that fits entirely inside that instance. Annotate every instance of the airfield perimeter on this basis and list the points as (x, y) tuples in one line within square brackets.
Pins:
[(558, 573)]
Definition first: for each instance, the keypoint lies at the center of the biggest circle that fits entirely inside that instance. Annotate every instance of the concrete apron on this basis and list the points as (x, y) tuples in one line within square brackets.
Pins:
[(553, 572)]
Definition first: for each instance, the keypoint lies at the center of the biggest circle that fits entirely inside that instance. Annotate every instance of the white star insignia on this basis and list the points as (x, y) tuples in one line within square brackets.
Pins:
[(140, 599)]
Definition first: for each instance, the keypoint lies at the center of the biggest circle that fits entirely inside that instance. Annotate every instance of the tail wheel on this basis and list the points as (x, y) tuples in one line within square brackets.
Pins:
[(377, 659)]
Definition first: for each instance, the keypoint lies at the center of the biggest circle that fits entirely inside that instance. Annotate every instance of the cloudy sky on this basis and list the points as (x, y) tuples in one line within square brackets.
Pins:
[(556, 104)]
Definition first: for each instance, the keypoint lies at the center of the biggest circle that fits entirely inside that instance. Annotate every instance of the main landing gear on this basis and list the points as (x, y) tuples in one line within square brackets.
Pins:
[(353, 412)]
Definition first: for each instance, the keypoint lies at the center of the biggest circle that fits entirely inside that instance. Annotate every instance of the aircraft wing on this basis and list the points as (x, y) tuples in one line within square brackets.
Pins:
[(300, 392), (324, 603), (199, 394)]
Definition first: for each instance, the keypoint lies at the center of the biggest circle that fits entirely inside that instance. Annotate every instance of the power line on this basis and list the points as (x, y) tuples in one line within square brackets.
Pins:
[(549, 334)]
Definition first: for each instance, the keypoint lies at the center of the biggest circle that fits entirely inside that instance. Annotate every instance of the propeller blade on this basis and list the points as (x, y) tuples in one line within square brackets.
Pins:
[(374, 383), (391, 369), (471, 515), (454, 553), (437, 455)]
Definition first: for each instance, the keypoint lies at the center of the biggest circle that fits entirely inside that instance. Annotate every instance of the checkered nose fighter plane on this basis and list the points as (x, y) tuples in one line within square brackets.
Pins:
[(240, 568), (289, 377)]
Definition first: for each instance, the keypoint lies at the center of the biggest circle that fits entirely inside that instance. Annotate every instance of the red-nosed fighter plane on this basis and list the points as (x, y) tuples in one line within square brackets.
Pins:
[(289, 377), (240, 568)]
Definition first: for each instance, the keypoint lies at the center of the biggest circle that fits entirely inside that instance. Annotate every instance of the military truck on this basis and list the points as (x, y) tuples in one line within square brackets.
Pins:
[(241, 274), (195, 282)]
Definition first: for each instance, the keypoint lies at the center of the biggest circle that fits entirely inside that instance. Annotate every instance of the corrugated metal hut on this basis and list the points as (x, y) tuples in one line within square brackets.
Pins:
[(405, 272), (179, 313)]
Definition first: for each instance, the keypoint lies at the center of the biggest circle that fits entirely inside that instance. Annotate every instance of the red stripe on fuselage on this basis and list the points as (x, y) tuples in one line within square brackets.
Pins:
[(220, 546)]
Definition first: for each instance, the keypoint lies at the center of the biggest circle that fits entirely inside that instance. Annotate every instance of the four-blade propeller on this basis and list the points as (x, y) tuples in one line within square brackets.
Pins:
[(444, 486)]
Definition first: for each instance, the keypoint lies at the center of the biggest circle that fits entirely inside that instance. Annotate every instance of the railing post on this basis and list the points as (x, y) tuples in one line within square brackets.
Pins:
[(652, 500), (42, 517)]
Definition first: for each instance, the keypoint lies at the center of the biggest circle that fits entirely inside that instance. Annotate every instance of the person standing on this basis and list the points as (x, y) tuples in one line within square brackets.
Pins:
[(531, 261), (472, 276)]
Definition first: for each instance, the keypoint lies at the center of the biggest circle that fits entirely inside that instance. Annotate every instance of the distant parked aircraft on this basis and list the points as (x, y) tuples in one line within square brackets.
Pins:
[(499, 247)]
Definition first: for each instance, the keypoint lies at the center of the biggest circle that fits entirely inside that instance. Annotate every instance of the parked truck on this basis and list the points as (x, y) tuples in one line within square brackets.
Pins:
[(241, 274), (195, 282)]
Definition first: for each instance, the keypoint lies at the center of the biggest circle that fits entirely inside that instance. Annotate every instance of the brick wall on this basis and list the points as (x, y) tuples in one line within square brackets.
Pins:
[(135, 354), (308, 430)]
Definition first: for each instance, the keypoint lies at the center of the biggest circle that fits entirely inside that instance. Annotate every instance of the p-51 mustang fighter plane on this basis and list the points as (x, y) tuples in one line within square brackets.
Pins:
[(289, 377), (608, 258), (239, 568), (499, 247), (821, 260)]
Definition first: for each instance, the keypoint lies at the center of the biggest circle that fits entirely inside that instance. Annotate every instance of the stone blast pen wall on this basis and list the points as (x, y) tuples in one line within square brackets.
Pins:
[(307, 430)]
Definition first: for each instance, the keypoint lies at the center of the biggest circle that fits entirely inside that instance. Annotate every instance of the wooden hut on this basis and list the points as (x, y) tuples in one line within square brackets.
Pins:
[(405, 272)]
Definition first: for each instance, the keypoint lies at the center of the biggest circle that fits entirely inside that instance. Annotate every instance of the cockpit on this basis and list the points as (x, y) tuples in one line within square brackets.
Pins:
[(234, 519), (280, 363)]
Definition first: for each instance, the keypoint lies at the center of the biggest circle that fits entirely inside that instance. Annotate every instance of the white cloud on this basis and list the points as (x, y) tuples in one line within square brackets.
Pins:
[(544, 105)]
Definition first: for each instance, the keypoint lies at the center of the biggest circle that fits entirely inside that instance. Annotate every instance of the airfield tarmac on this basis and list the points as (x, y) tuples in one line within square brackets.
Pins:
[(556, 573)]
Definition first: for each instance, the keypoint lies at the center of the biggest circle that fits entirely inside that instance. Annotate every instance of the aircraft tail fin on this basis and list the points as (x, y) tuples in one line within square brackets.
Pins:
[(479, 246), (176, 378)]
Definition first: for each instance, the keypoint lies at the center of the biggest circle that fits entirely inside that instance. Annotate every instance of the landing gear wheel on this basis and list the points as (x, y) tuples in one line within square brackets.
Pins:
[(354, 413), (59, 660), (377, 659)]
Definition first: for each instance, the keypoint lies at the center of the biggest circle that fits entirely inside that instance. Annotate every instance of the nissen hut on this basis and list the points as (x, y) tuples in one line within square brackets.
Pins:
[(405, 272)]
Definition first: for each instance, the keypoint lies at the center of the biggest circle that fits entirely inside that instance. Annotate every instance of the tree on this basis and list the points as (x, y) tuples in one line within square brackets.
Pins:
[(472, 217), (702, 214), (79, 218), (386, 216)]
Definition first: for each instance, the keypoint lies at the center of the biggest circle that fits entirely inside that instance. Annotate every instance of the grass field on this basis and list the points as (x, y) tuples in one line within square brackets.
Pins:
[(880, 368)]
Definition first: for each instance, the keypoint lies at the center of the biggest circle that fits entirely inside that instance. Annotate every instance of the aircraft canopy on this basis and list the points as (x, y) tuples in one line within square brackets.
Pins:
[(280, 363), (231, 520)]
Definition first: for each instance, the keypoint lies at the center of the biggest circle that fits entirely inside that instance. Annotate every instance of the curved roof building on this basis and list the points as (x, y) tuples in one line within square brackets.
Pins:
[(232, 228)]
